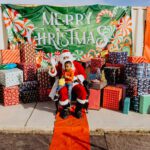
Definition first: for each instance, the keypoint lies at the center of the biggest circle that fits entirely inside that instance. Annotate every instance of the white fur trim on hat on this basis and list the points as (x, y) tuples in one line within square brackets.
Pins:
[(63, 103), (81, 78), (82, 101)]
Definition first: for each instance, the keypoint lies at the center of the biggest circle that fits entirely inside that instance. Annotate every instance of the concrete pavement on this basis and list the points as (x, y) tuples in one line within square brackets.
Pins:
[(40, 118)]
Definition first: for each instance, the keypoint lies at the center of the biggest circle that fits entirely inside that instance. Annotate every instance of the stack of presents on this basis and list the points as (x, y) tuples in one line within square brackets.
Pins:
[(126, 85), (24, 83), (118, 83)]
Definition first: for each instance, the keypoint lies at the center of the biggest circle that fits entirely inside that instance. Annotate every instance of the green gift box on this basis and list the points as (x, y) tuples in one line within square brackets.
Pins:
[(126, 105), (145, 104)]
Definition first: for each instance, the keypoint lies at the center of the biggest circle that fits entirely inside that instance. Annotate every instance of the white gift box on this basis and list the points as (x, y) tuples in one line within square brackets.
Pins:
[(11, 77)]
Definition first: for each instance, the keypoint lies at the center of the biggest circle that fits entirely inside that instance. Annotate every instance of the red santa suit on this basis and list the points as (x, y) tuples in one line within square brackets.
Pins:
[(79, 75)]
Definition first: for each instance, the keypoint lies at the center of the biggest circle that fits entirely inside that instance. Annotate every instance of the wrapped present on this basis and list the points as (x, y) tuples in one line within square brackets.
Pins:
[(29, 71), (136, 59), (9, 95), (92, 76), (126, 105), (11, 77), (97, 84), (134, 105), (96, 63), (124, 88), (143, 85), (148, 70), (132, 87), (135, 70), (112, 97), (144, 107), (94, 99), (29, 96), (43, 78), (9, 56), (27, 53), (112, 75), (43, 94), (28, 86), (118, 57)]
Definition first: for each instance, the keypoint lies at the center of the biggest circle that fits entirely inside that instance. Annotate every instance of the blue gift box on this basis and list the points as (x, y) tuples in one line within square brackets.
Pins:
[(126, 105)]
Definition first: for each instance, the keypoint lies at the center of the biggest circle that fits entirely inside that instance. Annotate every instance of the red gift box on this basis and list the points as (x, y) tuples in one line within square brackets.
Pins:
[(94, 99), (9, 56), (43, 94), (111, 97), (29, 71), (28, 54), (43, 78), (136, 59), (96, 63), (9, 95)]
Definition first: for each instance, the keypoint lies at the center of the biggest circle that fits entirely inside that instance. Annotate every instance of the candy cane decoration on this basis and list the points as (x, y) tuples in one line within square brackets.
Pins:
[(102, 13)]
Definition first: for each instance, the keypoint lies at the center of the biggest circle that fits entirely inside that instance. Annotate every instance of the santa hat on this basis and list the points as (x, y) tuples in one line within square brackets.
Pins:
[(66, 52)]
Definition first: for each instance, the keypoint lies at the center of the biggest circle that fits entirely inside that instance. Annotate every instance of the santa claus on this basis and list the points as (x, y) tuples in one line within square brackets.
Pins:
[(78, 84)]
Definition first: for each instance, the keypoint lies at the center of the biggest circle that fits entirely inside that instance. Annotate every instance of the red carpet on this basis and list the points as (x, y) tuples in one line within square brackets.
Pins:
[(71, 134)]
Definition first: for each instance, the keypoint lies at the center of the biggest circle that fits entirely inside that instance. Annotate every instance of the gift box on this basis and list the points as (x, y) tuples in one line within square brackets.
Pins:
[(9, 95), (29, 71), (27, 53), (28, 86), (111, 97), (29, 96), (134, 105), (97, 84), (43, 94), (126, 105), (96, 63), (136, 59), (118, 57), (112, 75), (135, 70), (143, 85), (148, 70), (144, 104), (122, 72), (11, 77), (94, 99), (132, 87), (44, 80), (9, 56)]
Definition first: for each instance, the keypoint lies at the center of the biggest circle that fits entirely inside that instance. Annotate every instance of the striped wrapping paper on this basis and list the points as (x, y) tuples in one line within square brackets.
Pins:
[(9, 56), (11, 77), (44, 80), (118, 57), (43, 94), (27, 54), (29, 71), (10, 95), (134, 105), (135, 70), (28, 86), (136, 59), (29, 96)]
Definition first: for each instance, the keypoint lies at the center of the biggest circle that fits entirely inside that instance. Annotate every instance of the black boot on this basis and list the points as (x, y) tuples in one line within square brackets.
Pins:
[(86, 105), (65, 111), (78, 110)]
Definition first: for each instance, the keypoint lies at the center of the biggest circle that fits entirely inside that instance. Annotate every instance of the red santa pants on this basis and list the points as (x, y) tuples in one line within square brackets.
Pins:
[(79, 91)]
